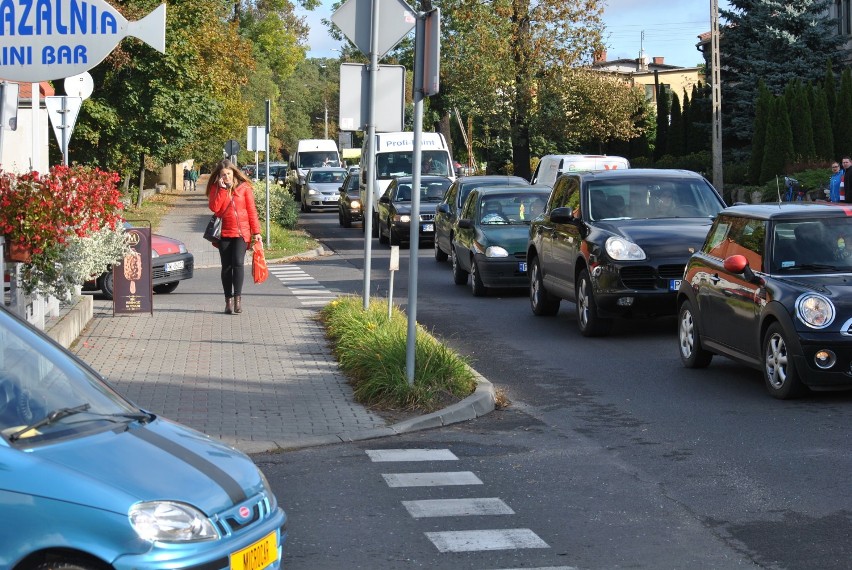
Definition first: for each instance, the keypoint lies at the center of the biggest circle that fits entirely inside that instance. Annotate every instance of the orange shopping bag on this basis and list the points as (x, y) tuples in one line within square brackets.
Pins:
[(259, 270)]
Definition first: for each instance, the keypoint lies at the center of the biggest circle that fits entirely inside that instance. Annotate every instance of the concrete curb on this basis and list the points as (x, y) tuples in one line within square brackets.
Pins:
[(481, 402), (71, 321)]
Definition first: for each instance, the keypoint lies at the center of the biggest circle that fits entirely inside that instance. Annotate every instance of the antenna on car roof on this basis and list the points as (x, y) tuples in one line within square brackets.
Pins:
[(778, 188)]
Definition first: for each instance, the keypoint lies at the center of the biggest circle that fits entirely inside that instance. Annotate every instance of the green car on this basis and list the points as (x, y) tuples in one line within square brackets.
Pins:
[(490, 236)]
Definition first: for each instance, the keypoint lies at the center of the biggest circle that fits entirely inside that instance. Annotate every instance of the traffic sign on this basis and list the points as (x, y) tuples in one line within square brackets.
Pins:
[(232, 147), (80, 85), (354, 18), (63, 114)]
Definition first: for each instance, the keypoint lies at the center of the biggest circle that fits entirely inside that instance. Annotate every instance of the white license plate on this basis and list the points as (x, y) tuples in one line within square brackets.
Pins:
[(674, 284), (428, 227), (174, 266), (522, 266)]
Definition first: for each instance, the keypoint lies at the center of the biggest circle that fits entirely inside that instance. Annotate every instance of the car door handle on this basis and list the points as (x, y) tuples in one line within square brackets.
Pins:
[(715, 279)]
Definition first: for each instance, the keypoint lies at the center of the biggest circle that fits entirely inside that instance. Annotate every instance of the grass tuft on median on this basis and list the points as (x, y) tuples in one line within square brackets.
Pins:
[(371, 351)]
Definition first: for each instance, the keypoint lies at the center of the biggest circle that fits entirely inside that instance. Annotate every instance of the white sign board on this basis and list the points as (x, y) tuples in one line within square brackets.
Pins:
[(355, 97), (81, 86), (355, 19), (60, 38), (256, 139), (63, 112)]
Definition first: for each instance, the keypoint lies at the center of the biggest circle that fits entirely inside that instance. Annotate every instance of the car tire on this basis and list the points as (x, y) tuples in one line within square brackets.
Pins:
[(477, 287), (108, 285), (779, 370), (459, 274), (346, 220), (439, 253), (393, 235), (692, 354), (166, 287), (543, 303), (590, 323), (64, 565), (375, 224)]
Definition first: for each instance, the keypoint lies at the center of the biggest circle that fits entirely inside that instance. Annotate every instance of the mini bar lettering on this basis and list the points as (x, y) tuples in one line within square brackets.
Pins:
[(48, 17)]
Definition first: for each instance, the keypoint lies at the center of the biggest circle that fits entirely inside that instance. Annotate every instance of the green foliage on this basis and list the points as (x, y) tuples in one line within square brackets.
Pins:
[(282, 208), (701, 162), (371, 350), (661, 144), (821, 120), (675, 144), (799, 110), (843, 117), (765, 40), (762, 116), (778, 151)]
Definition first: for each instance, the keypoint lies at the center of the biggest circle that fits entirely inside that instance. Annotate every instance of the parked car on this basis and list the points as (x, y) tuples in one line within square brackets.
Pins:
[(349, 203), (321, 189), (771, 289), (277, 172), (490, 236), (171, 263), (616, 243), (394, 223), (92, 481), (446, 213)]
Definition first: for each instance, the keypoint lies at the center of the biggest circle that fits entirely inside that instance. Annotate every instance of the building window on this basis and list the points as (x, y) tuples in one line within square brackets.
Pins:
[(843, 12)]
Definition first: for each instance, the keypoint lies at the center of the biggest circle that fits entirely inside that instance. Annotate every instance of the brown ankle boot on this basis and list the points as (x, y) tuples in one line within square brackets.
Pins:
[(228, 308), (238, 304)]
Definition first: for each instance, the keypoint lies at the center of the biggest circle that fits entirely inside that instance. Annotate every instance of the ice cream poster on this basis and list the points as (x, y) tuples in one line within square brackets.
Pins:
[(52, 39), (132, 279)]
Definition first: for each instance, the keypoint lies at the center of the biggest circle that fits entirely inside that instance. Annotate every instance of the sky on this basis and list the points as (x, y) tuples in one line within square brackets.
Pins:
[(671, 29)]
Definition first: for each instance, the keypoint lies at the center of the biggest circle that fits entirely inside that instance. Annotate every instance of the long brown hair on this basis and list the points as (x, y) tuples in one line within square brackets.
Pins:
[(239, 176)]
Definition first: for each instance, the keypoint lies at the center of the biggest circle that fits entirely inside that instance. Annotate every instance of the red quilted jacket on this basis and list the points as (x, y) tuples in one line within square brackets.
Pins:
[(238, 218)]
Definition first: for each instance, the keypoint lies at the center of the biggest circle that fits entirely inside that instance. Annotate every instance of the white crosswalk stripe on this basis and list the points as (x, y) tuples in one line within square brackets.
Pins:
[(431, 479), (478, 540), (455, 540), (308, 290)]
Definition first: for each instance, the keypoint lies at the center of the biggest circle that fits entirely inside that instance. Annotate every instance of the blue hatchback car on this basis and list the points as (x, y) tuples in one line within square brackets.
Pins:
[(89, 481)]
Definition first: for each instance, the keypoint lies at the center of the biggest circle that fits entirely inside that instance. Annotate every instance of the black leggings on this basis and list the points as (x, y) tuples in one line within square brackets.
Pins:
[(232, 251)]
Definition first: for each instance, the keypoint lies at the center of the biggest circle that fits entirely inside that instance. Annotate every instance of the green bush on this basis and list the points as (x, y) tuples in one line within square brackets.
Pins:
[(371, 351), (282, 208)]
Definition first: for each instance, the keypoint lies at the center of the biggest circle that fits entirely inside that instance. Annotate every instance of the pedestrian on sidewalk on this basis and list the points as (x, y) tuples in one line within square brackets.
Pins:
[(230, 197), (193, 178)]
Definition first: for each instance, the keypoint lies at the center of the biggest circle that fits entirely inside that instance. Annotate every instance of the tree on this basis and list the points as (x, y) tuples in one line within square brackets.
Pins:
[(799, 110), (778, 151), (762, 115), (843, 116), (661, 142), (823, 136), (774, 41), (674, 145), (495, 54), (830, 87)]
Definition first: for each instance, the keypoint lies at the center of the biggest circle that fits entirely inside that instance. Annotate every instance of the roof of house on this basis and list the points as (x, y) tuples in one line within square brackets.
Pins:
[(25, 91)]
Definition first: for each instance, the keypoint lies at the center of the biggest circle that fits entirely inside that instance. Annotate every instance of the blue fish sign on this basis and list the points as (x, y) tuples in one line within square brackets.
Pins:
[(52, 39)]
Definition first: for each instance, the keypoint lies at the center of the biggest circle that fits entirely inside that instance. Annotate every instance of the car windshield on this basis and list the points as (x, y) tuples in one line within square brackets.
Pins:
[(41, 385), (430, 191), (812, 245), (648, 198), (503, 209), (316, 159), (327, 176), (391, 164)]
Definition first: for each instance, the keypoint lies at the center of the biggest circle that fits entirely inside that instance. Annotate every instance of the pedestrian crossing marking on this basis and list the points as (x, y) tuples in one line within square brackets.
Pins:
[(304, 287), (479, 540), (457, 508), (378, 455), (431, 479)]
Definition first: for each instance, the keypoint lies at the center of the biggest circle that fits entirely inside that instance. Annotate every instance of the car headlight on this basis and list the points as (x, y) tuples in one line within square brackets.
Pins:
[(312, 192), (354, 204), (167, 521), (182, 248), (496, 251), (402, 218), (815, 310), (154, 254), (620, 249)]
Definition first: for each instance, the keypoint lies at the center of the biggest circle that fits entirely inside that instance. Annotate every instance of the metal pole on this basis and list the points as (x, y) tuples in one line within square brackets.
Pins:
[(414, 237), (266, 155), (63, 128), (371, 150), (325, 102), (716, 82)]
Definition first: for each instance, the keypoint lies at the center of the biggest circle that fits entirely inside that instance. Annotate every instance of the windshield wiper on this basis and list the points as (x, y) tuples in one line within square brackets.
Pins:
[(814, 267), (53, 416)]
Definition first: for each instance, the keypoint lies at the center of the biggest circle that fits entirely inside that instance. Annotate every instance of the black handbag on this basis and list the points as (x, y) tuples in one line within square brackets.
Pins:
[(213, 231)]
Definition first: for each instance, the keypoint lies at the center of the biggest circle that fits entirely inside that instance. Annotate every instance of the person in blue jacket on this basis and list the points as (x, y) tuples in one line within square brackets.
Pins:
[(834, 183)]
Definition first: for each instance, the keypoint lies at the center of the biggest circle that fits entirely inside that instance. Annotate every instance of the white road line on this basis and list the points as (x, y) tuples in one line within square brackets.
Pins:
[(431, 479), (545, 568), (479, 540), (301, 285), (456, 508), (378, 455)]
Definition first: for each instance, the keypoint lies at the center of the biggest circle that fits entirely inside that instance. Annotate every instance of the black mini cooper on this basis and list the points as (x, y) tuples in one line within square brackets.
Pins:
[(772, 288)]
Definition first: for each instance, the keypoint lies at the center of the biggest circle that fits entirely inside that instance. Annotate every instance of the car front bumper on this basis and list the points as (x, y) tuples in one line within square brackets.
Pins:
[(502, 271), (171, 268), (640, 291), (839, 375)]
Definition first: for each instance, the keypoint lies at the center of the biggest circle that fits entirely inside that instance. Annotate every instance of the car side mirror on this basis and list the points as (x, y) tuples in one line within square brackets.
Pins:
[(562, 216), (444, 208), (738, 264), (465, 224), (384, 200)]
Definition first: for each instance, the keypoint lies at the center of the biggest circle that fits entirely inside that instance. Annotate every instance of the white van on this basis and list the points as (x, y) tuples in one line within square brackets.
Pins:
[(310, 153), (394, 158), (552, 165)]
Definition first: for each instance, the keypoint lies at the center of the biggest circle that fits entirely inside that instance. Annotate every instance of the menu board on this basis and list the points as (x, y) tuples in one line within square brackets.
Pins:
[(132, 280)]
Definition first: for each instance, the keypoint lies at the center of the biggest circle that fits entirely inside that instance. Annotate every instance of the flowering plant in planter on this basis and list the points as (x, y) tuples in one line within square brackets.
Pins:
[(45, 212)]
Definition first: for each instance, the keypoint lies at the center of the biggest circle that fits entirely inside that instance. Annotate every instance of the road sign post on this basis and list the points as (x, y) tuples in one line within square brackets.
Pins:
[(63, 111)]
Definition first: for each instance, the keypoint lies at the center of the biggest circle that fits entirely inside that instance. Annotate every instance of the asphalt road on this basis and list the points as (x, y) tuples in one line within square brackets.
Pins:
[(611, 453)]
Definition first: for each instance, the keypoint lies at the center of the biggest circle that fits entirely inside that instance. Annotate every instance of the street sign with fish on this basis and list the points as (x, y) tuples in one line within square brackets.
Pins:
[(53, 39)]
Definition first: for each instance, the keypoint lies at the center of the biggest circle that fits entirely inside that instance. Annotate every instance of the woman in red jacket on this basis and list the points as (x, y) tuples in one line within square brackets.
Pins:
[(229, 195)]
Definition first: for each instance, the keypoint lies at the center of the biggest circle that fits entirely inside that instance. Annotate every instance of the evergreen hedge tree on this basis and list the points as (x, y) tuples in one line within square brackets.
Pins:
[(799, 111), (700, 109), (778, 150), (823, 135), (674, 145), (843, 117), (830, 88), (661, 140), (763, 112), (686, 122)]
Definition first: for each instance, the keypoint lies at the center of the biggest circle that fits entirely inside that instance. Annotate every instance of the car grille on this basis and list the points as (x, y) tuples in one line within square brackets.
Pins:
[(229, 522), (427, 217), (646, 277), (159, 271)]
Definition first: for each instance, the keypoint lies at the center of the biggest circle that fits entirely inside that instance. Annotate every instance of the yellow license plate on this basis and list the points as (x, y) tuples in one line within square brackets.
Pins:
[(259, 555)]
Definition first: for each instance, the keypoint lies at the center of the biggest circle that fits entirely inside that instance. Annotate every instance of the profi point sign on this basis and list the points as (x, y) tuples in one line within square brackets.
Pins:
[(52, 39)]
